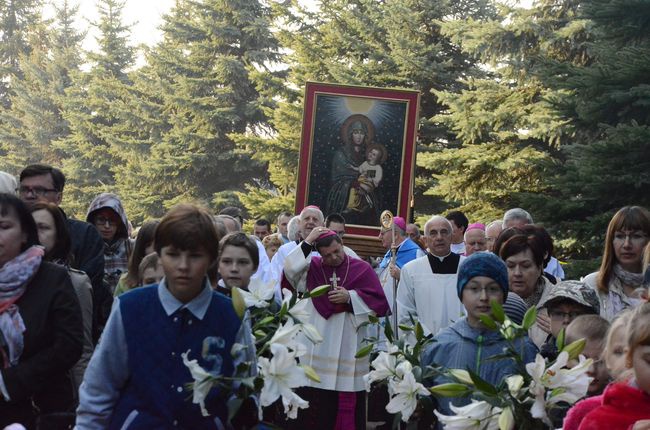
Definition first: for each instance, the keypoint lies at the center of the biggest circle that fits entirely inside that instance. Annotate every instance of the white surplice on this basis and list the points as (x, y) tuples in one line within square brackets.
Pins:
[(333, 359), (430, 298)]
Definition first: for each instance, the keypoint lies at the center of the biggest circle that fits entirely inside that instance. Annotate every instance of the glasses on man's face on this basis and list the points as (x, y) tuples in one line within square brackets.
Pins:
[(561, 316), (635, 237), (490, 291), (25, 191), (100, 220)]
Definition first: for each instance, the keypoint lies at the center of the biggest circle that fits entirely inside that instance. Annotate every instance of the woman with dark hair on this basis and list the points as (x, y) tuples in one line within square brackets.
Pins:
[(40, 323), (524, 258), (143, 247), (55, 238), (620, 274)]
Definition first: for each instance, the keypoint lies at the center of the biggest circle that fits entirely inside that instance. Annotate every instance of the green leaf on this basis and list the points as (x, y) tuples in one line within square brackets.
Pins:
[(488, 322), (419, 332), (482, 385), (497, 311), (373, 319), (559, 342), (529, 318), (265, 321), (364, 351), (405, 327), (388, 330)]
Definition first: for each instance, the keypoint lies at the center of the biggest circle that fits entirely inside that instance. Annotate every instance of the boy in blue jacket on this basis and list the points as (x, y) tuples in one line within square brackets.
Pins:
[(468, 344)]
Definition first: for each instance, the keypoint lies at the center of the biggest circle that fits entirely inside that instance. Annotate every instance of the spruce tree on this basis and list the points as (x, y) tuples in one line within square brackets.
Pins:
[(34, 120), (608, 161), (17, 17), (202, 81), (89, 160)]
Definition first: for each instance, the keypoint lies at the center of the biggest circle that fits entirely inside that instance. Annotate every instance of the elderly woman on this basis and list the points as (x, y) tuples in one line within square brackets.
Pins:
[(620, 273), (40, 324), (524, 258)]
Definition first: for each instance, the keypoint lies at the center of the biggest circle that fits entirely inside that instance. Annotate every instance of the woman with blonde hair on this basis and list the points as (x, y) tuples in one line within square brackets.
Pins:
[(620, 274)]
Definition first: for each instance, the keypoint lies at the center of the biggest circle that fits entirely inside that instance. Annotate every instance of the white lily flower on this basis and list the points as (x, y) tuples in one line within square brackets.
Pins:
[(311, 333), (286, 334), (514, 382), (281, 374), (477, 415), (569, 384), (259, 293), (299, 310), (405, 399), (384, 367), (203, 382)]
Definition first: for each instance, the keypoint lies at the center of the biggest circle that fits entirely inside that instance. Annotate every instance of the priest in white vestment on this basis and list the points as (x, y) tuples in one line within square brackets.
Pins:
[(338, 401), (427, 290)]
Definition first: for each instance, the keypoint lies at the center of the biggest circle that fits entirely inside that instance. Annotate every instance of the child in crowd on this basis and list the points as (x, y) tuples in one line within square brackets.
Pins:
[(592, 328), (482, 278), (143, 246), (626, 405), (614, 356), (136, 379), (238, 262), (150, 270), (272, 243), (107, 214), (566, 301)]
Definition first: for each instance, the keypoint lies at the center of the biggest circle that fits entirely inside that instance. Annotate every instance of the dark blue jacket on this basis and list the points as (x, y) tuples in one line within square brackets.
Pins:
[(154, 397)]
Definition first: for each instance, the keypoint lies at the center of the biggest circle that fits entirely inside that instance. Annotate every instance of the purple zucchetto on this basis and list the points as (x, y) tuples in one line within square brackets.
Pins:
[(483, 264)]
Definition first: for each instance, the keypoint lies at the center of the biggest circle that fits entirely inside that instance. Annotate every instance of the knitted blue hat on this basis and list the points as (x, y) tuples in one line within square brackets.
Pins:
[(483, 264)]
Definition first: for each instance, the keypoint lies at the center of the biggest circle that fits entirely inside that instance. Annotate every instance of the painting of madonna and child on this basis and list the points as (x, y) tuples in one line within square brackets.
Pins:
[(357, 153)]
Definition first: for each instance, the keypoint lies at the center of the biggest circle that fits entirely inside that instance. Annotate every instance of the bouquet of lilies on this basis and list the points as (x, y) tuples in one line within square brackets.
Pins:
[(397, 365), (526, 398), (276, 371)]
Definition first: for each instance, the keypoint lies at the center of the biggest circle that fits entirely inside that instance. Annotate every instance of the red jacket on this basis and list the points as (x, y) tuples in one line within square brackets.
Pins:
[(622, 406)]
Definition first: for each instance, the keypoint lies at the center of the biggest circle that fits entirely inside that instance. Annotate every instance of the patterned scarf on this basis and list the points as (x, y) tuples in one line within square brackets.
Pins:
[(534, 298), (14, 277), (630, 279), (116, 261)]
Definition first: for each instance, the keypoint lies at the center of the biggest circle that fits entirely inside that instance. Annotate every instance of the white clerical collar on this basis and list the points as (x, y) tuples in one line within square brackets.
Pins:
[(441, 258)]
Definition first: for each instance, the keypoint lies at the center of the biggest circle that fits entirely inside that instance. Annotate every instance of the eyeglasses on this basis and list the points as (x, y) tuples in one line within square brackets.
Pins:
[(35, 191), (560, 316), (100, 220), (491, 291), (635, 237)]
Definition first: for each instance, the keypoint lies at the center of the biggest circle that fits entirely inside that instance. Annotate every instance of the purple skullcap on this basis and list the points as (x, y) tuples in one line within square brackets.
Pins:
[(475, 226), (399, 222), (327, 233)]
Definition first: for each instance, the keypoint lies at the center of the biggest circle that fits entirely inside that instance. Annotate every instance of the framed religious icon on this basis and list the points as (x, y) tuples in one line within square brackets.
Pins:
[(357, 153)]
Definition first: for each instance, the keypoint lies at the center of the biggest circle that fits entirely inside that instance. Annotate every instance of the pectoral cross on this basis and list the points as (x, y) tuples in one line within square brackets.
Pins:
[(334, 280)]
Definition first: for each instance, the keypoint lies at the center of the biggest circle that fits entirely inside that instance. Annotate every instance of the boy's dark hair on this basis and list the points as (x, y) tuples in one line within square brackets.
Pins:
[(458, 218), (58, 178), (242, 240), (187, 227), (337, 218)]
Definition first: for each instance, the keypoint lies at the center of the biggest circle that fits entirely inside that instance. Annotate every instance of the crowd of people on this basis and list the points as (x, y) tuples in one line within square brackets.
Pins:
[(94, 314)]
